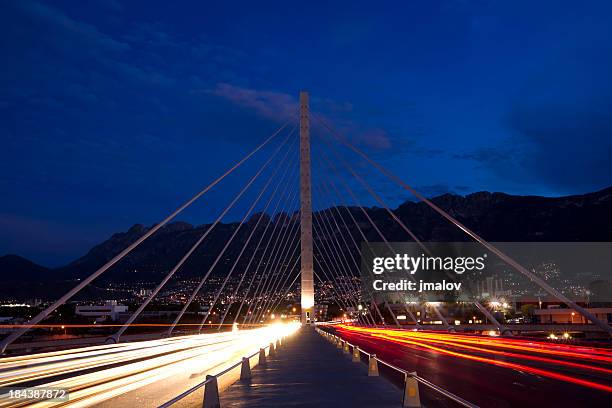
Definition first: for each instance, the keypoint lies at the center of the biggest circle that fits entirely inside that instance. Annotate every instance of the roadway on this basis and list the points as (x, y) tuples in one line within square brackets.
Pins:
[(143, 374), (309, 372), (494, 371)]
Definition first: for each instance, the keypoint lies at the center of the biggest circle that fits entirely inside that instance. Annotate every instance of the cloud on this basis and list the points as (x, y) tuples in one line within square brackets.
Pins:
[(559, 125), (568, 148), (375, 138), (279, 106), (60, 20), (272, 105)]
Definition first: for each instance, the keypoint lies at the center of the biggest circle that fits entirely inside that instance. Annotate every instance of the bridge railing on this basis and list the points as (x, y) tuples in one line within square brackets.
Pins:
[(211, 388), (411, 379)]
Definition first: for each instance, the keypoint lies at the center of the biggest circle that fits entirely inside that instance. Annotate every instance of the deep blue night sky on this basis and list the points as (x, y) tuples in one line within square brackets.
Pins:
[(112, 113)]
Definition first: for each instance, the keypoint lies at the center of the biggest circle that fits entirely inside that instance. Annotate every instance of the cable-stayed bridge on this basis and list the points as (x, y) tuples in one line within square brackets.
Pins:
[(306, 177)]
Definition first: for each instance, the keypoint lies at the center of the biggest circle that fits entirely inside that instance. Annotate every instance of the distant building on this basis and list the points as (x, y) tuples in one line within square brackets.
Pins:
[(570, 316), (144, 292), (321, 311), (109, 311), (33, 302), (491, 288), (8, 320)]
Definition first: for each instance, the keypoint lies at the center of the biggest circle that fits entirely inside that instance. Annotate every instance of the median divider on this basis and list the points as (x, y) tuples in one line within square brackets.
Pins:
[(411, 397)]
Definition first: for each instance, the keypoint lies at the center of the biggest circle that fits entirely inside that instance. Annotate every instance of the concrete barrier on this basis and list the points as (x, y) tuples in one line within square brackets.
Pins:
[(372, 366), (411, 392), (211, 393), (245, 369), (356, 355)]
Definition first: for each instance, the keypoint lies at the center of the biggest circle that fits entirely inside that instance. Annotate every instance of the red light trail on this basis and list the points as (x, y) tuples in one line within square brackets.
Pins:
[(448, 344)]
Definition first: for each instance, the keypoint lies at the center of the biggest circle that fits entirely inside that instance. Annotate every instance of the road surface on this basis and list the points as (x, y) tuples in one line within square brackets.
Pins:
[(494, 371)]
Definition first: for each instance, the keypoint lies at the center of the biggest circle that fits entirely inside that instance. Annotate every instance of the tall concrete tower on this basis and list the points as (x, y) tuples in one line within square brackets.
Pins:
[(307, 273)]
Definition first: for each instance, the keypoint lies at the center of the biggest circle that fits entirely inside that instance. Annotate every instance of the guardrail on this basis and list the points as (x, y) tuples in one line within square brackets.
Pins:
[(411, 379), (211, 387)]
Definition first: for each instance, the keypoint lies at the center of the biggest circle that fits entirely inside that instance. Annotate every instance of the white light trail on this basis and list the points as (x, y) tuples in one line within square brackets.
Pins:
[(144, 373)]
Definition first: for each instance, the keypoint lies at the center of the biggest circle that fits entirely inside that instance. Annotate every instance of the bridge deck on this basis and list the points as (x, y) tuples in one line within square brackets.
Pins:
[(310, 372)]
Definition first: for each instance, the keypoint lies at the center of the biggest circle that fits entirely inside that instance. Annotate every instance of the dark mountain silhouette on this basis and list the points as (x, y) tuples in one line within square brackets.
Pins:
[(15, 268), (494, 216)]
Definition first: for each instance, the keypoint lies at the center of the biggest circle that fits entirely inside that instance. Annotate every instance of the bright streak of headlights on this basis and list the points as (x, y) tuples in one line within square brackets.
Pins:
[(165, 367)]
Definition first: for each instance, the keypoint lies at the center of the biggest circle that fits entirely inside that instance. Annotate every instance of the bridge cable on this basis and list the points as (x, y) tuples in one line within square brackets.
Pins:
[(228, 243), (284, 261), (270, 268), (334, 207), (349, 292), (395, 218), (276, 223), (370, 220), (297, 275), (343, 296), (284, 283), (43, 314), (266, 273), (347, 274), (340, 300), (341, 286), (227, 277), (261, 238), (323, 215), (275, 300), (356, 247), (518, 267), (144, 304), (367, 245), (246, 244)]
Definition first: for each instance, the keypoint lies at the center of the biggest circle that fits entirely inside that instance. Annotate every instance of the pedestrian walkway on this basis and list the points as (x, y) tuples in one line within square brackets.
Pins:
[(309, 371)]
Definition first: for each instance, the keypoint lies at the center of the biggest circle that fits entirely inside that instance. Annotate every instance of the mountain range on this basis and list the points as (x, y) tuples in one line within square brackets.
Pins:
[(494, 216)]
